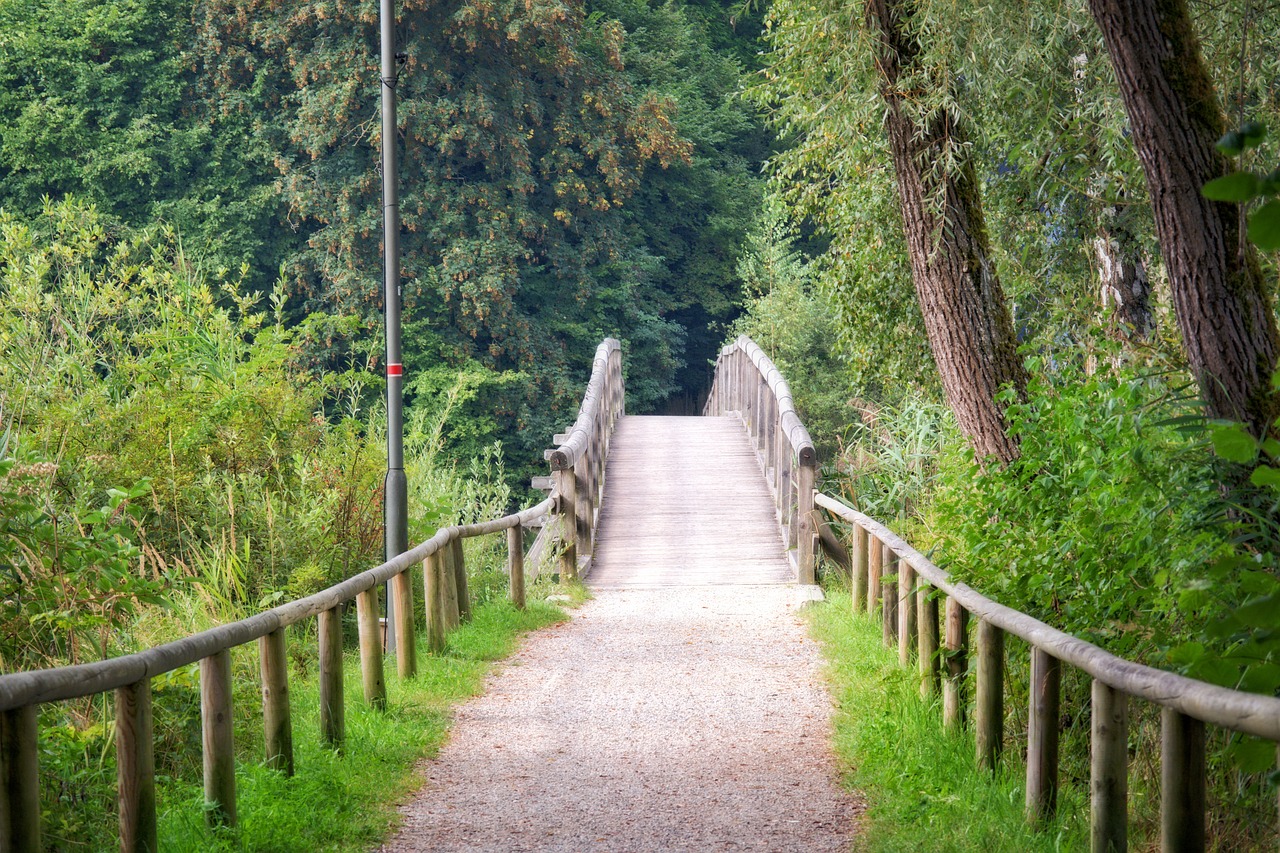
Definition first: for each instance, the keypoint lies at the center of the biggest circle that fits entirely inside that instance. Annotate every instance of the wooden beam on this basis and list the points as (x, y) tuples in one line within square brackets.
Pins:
[(1042, 737), (277, 727), (333, 716), (1109, 770), (136, 769), (216, 718)]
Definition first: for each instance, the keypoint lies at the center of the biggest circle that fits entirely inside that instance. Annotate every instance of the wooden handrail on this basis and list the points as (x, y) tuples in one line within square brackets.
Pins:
[(446, 602), (749, 385), (578, 464), (1187, 703)]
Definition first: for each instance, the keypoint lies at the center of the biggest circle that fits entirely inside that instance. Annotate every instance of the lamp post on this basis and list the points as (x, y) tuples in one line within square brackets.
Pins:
[(395, 487)]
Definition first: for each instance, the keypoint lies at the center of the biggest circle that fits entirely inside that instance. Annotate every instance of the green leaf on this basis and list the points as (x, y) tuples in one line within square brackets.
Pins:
[(1265, 475), (1264, 226), (1253, 755), (1231, 143), (1261, 612), (1233, 443), (1270, 184), (1240, 186)]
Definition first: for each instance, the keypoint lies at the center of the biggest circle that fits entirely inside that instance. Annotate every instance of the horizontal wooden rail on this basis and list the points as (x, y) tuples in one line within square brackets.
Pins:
[(1187, 704), (446, 603), (749, 385)]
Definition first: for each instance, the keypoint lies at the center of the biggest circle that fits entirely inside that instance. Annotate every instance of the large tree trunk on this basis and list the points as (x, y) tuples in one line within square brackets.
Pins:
[(1222, 304), (965, 315)]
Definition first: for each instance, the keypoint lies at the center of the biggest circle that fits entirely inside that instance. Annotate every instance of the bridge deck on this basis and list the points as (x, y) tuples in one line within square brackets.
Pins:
[(685, 505)]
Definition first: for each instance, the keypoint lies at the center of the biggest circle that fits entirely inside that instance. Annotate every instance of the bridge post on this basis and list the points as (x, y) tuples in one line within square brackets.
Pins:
[(805, 528), (566, 506)]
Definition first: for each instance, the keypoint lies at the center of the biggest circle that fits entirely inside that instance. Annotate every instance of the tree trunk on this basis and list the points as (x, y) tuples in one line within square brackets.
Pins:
[(1125, 291), (1222, 304), (965, 315)]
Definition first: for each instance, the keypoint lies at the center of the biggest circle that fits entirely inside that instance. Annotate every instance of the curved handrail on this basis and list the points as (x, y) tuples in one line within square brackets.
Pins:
[(599, 390), (1250, 713), (721, 399), (749, 385)]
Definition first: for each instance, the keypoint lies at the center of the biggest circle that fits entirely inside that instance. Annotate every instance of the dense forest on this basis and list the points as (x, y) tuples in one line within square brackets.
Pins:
[(1027, 306)]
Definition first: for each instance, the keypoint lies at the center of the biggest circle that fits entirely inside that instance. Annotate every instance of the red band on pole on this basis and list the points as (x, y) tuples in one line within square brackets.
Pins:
[(395, 369)]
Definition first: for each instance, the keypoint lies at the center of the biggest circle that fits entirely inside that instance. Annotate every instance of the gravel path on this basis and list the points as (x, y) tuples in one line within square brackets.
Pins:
[(691, 719)]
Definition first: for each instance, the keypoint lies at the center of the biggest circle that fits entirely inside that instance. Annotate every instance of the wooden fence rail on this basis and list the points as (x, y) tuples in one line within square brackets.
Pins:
[(446, 604), (1186, 705), (747, 383)]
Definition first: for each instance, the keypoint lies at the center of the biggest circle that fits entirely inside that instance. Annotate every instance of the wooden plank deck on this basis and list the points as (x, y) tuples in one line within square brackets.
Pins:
[(685, 504)]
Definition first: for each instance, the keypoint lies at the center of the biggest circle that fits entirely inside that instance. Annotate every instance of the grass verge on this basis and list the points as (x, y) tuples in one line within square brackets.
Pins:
[(347, 801), (922, 787)]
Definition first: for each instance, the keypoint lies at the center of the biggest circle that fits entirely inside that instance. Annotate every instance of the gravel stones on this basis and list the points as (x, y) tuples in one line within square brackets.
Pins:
[(682, 719)]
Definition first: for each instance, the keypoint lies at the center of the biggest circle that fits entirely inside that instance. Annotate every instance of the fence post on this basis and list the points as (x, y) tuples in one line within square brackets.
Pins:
[(434, 593), (406, 638), (1042, 736), (858, 569), (889, 594), (333, 715), (277, 728), (1182, 785), (448, 587), (371, 675), (219, 751), (927, 649), (460, 581), (875, 574), (19, 758), (957, 657), (583, 502), (515, 564), (805, 527), (907, 626), (135, 768), (1109, 771), (989, 706)]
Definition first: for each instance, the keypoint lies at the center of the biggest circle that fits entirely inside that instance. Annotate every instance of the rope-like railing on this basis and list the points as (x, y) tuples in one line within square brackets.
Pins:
[(447, 604), (747, 383)]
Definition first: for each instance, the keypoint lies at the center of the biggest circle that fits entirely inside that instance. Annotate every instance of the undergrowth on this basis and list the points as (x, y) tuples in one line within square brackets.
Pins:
[(922, 788)]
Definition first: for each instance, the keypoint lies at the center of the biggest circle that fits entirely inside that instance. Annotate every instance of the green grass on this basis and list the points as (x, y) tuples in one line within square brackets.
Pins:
[(347, 801), (921, 785)]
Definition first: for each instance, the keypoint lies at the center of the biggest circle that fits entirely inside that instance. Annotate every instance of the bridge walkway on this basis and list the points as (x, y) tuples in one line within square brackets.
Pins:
[(682, 709)]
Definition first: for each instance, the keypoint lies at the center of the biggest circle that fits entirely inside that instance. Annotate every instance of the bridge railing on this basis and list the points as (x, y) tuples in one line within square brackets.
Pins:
[(749, 384), (890, 576), (447, 604), (578, 464)]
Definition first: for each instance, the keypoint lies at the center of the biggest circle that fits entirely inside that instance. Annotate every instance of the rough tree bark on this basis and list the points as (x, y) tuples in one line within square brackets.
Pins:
[(1219, 295), (965, 315), (1125, 291)]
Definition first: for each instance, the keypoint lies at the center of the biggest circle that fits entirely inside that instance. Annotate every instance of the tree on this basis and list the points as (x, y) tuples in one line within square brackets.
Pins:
[(1223, 307), (969, 325)]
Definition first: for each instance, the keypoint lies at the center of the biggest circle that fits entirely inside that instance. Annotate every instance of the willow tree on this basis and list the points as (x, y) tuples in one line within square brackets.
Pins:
[(1221, 299), (965, 313)]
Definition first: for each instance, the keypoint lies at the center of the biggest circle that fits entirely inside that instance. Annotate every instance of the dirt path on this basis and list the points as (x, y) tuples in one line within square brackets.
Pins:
[(690, 719)]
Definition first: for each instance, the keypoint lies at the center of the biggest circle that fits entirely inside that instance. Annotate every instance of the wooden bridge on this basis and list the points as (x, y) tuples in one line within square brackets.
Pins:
[(642, 502)]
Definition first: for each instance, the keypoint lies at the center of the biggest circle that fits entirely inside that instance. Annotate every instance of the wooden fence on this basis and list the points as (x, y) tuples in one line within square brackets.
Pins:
[(447, 604), (747, 383), (890, 576)]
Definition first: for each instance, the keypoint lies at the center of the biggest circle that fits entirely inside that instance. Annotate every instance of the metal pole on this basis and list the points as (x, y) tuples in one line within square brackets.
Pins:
[(396, 513)]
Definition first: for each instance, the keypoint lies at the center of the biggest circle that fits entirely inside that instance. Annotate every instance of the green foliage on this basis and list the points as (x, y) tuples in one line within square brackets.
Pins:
[(793, 325), (1246, 186), (1097, 527), (922, 789)]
